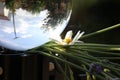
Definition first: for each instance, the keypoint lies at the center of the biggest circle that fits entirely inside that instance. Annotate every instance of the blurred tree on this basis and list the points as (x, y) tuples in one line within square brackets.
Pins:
[(57, 8)]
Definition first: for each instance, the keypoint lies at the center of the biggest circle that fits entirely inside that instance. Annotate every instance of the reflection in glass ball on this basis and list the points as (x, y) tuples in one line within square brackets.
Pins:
[(23, 27)]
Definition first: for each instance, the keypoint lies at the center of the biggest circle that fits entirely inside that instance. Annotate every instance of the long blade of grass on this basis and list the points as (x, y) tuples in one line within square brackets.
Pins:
[(110, 58), (60, 59), (61, 69), (102, 52), (100, 31)]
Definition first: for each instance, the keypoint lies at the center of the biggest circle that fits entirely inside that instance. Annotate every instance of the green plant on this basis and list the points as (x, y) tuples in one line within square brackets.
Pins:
[(95, 60)]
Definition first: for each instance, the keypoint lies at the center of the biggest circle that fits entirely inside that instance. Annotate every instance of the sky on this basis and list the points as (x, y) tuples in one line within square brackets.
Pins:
[(29, 29)]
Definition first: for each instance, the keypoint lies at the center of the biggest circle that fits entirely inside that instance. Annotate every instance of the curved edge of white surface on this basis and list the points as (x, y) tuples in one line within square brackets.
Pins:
[(20, 47)]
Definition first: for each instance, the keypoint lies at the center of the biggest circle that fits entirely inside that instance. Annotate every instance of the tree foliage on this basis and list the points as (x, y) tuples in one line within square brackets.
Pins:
[(57, 8)]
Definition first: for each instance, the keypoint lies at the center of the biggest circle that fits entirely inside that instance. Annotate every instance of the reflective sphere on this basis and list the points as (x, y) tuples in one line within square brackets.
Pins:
[(26, 29)]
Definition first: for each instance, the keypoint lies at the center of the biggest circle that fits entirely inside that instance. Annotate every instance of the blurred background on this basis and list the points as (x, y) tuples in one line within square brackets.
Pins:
[(93, 15), (88, 16)]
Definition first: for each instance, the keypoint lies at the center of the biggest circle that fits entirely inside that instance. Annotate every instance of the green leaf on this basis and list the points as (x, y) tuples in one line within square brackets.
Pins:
[(100, 31)]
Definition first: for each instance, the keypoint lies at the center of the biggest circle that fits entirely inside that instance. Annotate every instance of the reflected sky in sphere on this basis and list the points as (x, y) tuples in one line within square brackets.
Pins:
[(31, 30)]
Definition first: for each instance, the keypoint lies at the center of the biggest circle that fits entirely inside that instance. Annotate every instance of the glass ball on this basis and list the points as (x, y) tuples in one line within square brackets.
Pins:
[(32, 26)]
